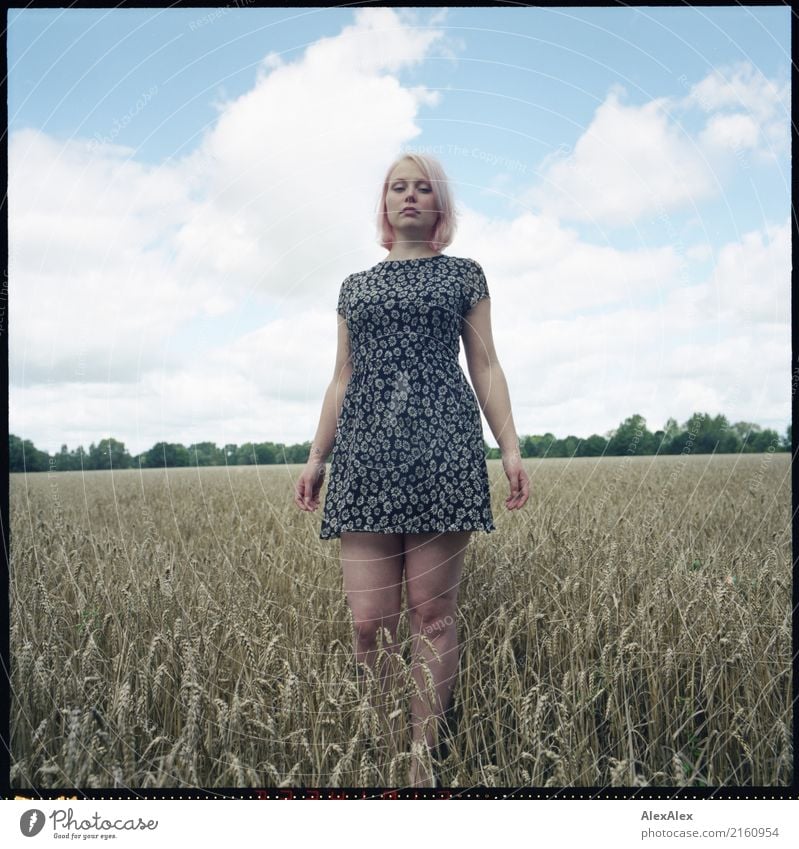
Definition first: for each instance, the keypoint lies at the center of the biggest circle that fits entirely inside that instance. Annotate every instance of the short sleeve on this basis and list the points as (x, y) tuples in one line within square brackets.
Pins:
[(475, 287), (343, 299)]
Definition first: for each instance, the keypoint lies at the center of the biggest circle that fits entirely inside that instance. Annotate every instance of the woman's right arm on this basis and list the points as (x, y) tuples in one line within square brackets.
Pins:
[(334, 397), (309, 483)]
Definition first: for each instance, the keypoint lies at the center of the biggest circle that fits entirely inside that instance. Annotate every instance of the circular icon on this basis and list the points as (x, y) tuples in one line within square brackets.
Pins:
[(31, 822)]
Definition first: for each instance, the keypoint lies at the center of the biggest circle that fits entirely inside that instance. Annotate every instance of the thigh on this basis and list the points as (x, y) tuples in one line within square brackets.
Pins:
[(433, 566), (372, 566)]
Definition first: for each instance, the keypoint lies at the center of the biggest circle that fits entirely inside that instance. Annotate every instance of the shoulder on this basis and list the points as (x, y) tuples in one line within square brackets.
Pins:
[(460, 260), (471, 277), (463, 267), (466, 264), (363, 274), (471, 271), (351, 280)]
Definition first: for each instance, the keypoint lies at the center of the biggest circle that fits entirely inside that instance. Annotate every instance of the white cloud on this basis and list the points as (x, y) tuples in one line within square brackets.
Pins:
[(280, 362), (741, 91), (94, 292), (732, 131), (635, 162), (290, 166), (700, 252), (547, 266), (109, 255), (380, 39), (742, 86), (630, 162), (716, 345), (569, 370), (751, 283)]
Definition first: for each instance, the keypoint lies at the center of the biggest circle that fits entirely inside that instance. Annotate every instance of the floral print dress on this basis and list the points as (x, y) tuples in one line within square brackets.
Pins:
[(408, 453)]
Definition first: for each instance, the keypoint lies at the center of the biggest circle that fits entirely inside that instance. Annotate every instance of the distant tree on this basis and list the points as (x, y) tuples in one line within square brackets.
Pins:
[(179, 454), (68, 461), (78, 459), (538, 446), (563, 447), (109, 454), (16, 455), (205, 454), (681, 442), (744, 431), (671, 430), (706, 432), (711, 433), (23, 456), (765, 440), (62, 460), (648, 444), (167, 455), (629, 436), (729, 443), (296, 453), (156, 456), (266, 453), (594, 446), (688, 440), (695, 424), (701, 433), (245, 456)]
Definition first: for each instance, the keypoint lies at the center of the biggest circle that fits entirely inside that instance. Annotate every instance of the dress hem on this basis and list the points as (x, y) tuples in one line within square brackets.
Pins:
[(395, 530)]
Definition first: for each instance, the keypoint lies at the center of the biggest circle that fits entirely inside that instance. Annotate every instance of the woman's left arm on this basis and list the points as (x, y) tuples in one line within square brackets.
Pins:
[(491, 389)]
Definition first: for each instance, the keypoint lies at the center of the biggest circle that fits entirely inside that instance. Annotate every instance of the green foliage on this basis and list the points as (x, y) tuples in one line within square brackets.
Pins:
[(108, 454), (700, 434), (23, 456), (165, 454), (630, 437), (206, 454)]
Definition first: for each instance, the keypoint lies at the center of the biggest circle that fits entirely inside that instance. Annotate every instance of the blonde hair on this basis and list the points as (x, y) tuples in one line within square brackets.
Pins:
[(444, 231)]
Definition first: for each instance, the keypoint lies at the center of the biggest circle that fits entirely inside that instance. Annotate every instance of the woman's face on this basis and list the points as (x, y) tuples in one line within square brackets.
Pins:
[(409, 189)]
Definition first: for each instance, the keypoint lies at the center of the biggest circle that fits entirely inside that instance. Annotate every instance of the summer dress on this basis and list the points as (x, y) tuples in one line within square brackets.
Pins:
[(408, 454)]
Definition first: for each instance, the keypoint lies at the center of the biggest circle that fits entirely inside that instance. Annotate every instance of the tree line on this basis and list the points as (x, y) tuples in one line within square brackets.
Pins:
[(700, 434)]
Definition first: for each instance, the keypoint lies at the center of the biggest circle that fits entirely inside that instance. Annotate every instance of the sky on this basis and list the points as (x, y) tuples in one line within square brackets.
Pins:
[(188, 188)]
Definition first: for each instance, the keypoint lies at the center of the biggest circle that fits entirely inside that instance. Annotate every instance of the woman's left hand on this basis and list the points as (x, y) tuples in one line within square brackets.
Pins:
[(518, 480)]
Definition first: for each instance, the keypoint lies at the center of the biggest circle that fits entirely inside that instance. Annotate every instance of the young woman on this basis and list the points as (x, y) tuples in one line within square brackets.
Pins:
[(408, 480)]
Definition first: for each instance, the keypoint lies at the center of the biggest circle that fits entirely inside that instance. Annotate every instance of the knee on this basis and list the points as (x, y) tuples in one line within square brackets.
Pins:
[(433, 616), (367, 626)]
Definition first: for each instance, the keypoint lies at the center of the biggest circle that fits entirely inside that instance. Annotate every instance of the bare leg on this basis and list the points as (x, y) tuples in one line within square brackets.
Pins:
[(372, 566), (433, 565)]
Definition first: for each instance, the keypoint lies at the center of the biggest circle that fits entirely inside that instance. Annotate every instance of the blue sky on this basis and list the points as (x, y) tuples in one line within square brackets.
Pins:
[(623, 178)]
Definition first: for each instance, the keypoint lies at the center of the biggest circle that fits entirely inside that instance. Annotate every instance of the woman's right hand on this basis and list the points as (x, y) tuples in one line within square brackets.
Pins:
[(306, 490)]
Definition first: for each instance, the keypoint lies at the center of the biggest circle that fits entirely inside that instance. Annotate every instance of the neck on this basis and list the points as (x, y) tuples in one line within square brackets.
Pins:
[(411, 249)]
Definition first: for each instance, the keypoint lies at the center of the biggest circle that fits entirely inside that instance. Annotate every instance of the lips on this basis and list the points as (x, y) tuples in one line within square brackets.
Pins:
[(409, 209)]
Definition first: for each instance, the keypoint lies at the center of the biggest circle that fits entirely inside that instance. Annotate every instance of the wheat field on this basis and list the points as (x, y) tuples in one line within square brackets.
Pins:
[(631, 626)]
